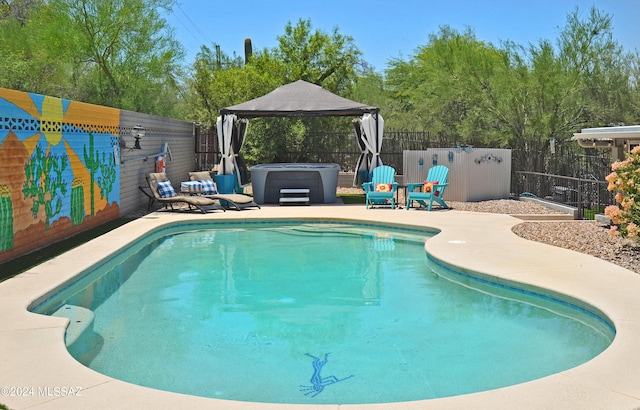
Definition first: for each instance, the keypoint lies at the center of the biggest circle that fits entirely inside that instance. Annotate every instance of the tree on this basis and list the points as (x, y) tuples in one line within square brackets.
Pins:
[(370, 88), (516, 96), (583, 81), (34, 58), (20, 10), (219, 81), (118, 53), (328, 60), (444, 85), (125, 54)]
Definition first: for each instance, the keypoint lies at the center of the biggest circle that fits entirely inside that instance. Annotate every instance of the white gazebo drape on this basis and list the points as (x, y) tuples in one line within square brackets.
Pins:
[(373, 127), (237, 141), (225, 130), (231, 136), (370, 141), (362, 166)]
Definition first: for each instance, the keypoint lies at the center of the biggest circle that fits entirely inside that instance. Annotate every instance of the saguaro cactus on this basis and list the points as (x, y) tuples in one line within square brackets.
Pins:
[(248, 50), (43, 181), (77, 202), (92, 162), (108, 176), (6, 219)]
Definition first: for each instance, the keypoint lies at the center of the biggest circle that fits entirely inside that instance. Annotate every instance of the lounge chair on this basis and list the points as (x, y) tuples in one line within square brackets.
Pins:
[(431, 190), (164, 193), (210, 190), (381, 191)]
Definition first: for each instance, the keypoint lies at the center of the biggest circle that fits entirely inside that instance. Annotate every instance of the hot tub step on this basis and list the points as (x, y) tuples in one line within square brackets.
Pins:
[(288, 191), (294, 196), (294, 200)]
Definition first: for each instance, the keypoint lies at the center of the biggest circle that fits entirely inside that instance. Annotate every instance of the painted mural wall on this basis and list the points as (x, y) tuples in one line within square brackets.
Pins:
[(59, 169)]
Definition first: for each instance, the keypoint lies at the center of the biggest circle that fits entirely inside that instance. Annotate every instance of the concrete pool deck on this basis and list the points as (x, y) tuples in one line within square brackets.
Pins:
[(36, 371)]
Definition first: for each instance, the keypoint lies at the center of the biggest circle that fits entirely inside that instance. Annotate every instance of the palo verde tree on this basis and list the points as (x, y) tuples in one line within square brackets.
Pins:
[(123, 53), (34, 57), (582, 81), (443, 87), (516, 96), (118, 53), (328, 60)]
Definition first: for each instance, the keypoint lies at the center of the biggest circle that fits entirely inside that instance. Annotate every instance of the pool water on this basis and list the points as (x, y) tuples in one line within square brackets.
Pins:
[(315, 313)]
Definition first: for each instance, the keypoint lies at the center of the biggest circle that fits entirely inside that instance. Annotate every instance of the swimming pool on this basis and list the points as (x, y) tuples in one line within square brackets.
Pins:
[(293, 335)]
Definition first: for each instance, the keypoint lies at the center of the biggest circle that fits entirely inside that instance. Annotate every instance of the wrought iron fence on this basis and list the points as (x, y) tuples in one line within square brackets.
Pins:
[(566, 174), (206, 148), (589, 196)]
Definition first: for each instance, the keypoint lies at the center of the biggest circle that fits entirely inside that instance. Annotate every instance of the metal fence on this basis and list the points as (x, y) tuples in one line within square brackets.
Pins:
[(339, 147), (206, 148), (589, 196), (564, 173)]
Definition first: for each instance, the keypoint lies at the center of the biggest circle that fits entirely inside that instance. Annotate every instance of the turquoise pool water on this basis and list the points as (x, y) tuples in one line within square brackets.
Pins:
[(313, 313)]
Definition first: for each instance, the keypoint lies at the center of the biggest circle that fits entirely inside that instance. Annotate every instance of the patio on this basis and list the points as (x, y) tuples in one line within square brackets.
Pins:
[(37, 356)]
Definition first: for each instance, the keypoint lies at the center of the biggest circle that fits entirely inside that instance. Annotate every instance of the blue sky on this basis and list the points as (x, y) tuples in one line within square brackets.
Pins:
[(385, 30)]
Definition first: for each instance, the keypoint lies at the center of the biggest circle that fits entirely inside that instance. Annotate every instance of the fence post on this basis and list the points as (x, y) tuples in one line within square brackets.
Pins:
[(579, 204)]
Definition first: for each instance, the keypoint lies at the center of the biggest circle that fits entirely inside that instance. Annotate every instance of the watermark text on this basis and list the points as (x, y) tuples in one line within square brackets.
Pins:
[(40, 391)]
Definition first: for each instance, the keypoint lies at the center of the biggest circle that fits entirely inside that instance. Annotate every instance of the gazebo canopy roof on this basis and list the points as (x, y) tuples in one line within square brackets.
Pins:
[(296, 99)]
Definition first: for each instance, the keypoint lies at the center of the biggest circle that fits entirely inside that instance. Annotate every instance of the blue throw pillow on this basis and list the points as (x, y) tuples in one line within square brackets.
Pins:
[(165, 189), (208, 187)]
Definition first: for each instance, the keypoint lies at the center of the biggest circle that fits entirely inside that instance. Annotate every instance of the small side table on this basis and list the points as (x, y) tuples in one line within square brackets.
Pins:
[(404, 191)]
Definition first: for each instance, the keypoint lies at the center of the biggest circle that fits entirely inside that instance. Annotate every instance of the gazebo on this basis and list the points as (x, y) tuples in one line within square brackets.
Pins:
[(298, 99)]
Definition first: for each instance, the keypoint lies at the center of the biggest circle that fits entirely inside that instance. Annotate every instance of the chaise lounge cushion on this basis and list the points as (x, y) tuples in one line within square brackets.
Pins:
[(238, 201), (199, 175)]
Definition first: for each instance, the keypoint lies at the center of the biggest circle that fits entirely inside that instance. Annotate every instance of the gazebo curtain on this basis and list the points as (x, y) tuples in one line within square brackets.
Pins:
[(369, 132), (225, 130), (237, 141), (231, 135), (362, 166)]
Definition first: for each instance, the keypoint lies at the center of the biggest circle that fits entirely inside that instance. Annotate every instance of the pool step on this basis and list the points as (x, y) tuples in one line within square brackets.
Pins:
[(80, 320), (294, 196)]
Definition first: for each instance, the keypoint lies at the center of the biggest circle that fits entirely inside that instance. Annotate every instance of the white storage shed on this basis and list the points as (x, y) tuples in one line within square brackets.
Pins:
[(475, 174)]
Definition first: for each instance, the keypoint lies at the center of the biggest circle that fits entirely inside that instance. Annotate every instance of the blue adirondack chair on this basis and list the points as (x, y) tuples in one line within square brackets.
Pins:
[(415, 191), (381, 190)]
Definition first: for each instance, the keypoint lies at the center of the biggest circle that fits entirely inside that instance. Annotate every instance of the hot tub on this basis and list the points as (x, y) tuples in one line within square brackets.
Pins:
[(320, 179)]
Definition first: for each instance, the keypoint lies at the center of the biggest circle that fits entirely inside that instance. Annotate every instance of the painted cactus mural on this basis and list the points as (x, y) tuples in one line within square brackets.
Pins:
[(77, 202), (92, 162), (6, 219), (54, 155), (108, 176), (44, 183), (107, 167)]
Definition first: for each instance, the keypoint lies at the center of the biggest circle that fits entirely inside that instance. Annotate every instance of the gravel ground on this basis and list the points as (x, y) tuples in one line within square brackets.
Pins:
[(587, 237)]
